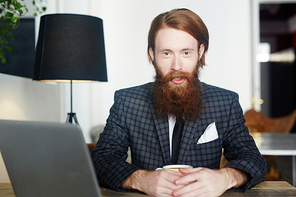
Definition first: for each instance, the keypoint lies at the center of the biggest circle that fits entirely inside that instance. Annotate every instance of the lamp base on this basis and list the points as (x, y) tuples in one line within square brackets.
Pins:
[(70, 118)]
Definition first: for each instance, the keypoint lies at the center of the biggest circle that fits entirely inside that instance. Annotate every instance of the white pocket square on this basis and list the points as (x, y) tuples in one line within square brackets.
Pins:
[(210, 134)]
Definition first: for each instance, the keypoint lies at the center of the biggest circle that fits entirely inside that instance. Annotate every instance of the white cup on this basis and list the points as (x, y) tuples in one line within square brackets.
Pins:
[(176, 167)]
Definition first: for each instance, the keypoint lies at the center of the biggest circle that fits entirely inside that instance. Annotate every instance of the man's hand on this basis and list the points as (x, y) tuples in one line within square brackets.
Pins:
[(208, 182), (155, 183)]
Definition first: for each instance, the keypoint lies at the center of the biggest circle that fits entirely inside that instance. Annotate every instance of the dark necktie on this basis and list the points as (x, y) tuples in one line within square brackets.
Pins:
[(177, 134)]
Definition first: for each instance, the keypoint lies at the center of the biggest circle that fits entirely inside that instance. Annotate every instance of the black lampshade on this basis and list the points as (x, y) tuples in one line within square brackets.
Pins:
[(70, 47)]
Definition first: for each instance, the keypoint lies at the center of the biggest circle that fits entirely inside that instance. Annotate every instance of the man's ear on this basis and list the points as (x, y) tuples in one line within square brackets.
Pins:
[(201, 51), (151, 53)]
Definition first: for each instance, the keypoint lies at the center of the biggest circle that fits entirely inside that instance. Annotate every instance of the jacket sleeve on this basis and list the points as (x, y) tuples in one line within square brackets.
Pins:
[(110, 153), (240, 149)]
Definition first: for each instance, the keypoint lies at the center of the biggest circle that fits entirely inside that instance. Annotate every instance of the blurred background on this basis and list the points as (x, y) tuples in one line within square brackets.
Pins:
[(251, 52)]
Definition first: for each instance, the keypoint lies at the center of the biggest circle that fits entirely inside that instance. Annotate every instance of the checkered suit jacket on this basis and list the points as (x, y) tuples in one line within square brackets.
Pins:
[(133, 123)]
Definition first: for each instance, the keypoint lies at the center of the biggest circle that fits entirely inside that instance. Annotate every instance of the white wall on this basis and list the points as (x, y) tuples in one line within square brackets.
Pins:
[(126, 25), (24, 99)]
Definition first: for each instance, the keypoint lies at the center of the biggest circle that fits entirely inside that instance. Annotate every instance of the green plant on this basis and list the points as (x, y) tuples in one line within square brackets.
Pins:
[(10, 13)]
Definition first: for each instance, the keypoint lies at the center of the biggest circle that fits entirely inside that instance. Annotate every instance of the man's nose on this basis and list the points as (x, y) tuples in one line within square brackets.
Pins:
[(176, 64)]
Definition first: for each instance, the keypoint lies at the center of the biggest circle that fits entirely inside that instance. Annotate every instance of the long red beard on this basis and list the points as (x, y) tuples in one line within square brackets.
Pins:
[(181, 100)]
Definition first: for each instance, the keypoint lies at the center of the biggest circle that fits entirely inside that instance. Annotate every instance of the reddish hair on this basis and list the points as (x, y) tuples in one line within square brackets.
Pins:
[(181, 19)]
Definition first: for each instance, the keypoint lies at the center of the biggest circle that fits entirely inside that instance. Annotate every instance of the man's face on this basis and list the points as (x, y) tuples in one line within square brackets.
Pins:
[(176, 87), (175, 51)]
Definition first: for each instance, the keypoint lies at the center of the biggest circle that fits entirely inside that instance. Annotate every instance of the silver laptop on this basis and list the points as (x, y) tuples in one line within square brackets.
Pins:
[(47, 159)]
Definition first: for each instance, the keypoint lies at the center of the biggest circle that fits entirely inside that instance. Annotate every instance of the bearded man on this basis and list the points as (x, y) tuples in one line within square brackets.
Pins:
[(209, 119)]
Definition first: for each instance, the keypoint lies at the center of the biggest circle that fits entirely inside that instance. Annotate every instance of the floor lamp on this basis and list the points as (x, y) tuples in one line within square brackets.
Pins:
[(70, 48)]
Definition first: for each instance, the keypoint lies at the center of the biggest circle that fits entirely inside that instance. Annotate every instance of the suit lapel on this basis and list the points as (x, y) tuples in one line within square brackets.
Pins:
[(187, 139), (162, 128)]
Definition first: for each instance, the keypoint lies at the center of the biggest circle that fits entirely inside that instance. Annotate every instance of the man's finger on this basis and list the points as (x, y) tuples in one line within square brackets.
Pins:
[(191, 175)]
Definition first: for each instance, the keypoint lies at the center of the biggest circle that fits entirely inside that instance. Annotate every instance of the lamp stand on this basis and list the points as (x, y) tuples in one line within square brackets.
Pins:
[(71, 115), (70, 118)]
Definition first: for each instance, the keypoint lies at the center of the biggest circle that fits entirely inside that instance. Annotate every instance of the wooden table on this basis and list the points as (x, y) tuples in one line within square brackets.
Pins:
[(267, 188), (278, 145)]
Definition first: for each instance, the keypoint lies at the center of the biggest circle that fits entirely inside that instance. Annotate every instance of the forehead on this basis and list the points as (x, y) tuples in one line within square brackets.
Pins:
[(170, 38)]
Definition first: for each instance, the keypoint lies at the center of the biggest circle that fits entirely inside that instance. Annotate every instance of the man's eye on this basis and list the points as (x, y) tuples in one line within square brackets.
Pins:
[(186, 53), (166, 53)]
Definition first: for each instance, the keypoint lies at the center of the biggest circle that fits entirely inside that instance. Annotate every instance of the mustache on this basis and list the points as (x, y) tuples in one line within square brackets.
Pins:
[(191, 78), (178, 74)]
